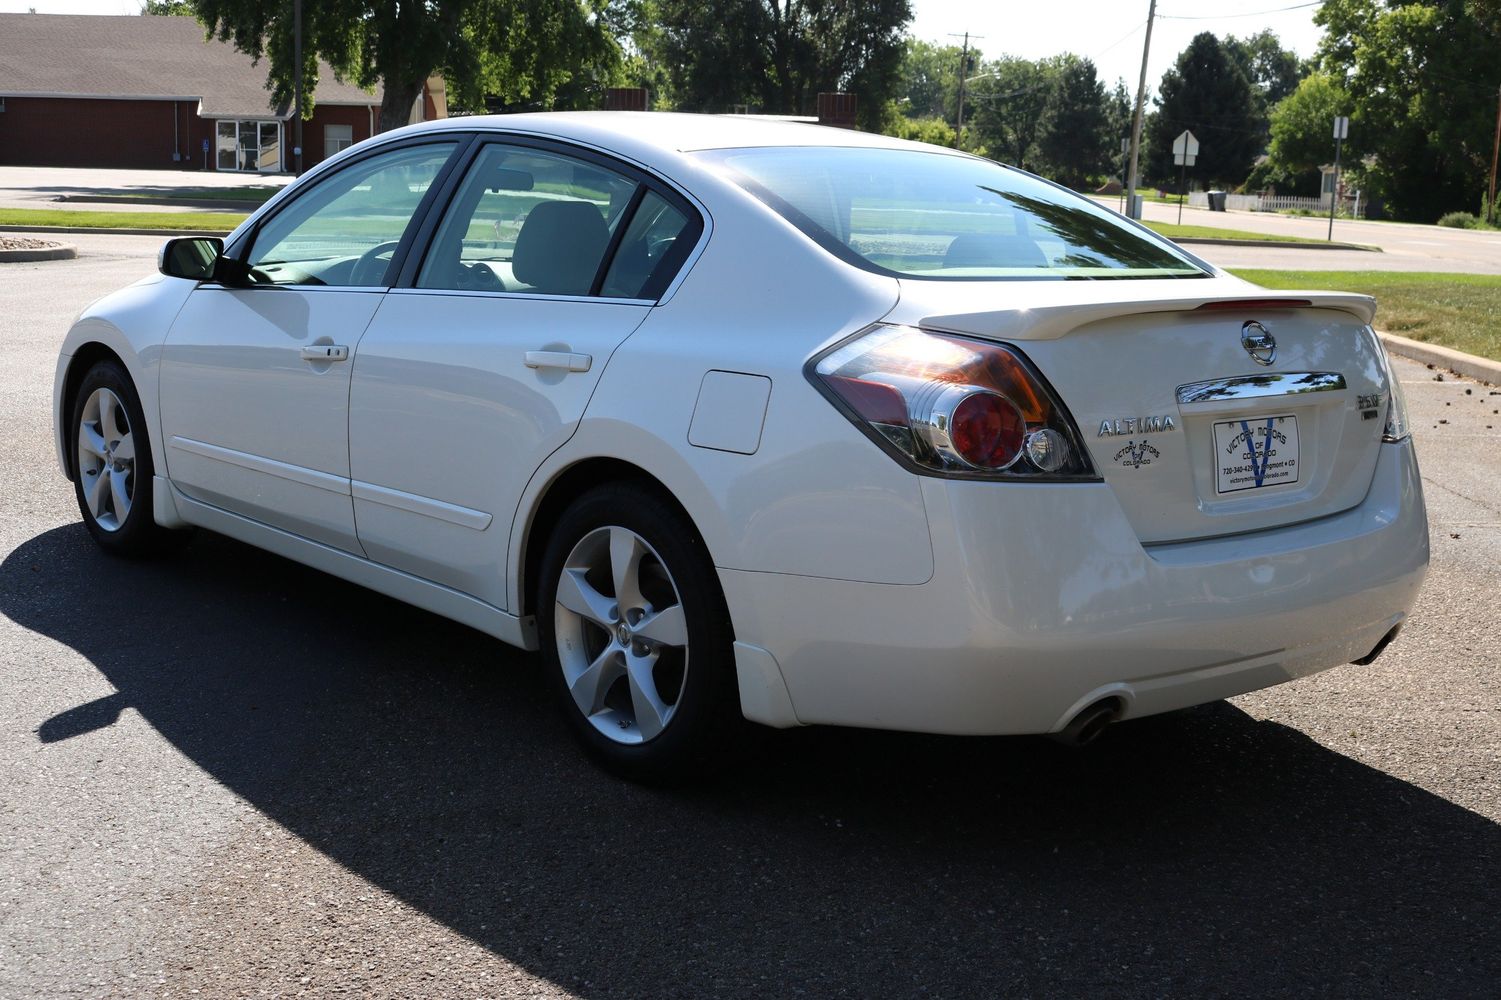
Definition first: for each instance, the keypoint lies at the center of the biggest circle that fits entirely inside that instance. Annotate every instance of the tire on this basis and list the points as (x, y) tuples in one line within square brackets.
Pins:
[(648, 688), (112, 462)]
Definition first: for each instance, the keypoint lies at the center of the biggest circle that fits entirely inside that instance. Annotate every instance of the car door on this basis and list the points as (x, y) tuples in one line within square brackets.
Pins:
[(544, 260), (255, 380)]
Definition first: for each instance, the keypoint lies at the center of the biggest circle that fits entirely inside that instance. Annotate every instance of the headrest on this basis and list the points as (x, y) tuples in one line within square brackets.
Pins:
[(560, 246)]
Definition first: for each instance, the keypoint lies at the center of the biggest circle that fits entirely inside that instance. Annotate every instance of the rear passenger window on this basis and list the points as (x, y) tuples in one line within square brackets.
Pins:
[(649, 253), (525, 220)]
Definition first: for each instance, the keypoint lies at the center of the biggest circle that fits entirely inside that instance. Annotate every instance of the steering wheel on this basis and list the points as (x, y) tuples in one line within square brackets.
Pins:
[(368, 261), (477, 277)]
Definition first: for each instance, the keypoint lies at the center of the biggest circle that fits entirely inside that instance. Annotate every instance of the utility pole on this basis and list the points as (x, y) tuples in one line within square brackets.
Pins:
[(297, 86), (963, 74), (1490, 214), (1141, 96)]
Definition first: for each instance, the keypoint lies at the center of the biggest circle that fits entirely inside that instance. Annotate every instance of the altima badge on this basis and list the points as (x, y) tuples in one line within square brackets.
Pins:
[(1258, 342), (1136, 425)]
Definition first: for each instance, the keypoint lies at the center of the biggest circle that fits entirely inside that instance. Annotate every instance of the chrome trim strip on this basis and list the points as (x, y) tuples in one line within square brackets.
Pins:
[(270, 467), (1256, 386), (468, 293), (464, 517)]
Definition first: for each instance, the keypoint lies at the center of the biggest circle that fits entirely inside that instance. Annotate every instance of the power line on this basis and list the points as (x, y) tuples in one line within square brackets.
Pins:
[(1251, 13)]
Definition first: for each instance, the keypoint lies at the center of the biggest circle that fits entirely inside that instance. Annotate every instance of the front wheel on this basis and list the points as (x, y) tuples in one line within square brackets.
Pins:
[(112, 462), (632, 617)]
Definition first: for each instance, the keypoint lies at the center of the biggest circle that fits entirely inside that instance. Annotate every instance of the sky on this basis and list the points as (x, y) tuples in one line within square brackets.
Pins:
[(1108, 31)]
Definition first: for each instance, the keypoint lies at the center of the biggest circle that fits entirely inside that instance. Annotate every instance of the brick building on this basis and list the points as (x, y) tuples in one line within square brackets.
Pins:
[(144, 91)]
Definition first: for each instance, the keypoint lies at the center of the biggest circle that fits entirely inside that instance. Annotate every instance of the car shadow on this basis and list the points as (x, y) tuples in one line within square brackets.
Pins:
[(1197, 853)]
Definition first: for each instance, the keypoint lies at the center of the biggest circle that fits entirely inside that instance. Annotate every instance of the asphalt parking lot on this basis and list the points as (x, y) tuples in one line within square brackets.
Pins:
[(224, 774)]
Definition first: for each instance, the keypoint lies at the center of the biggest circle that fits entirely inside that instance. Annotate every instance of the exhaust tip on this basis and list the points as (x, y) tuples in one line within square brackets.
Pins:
[(1380, 648), (1086, 727)]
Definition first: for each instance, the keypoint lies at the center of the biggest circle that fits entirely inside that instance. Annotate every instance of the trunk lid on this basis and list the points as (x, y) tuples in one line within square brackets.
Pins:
[(1209, 406)]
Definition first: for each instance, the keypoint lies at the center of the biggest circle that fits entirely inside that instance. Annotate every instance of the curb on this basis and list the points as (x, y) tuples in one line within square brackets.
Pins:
[(1458, 362), (81, 230), (63, 251), (1277, 244)]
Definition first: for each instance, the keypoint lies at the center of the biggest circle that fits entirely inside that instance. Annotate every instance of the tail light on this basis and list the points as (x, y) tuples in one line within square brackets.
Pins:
[(1398, 427), (951, 405)]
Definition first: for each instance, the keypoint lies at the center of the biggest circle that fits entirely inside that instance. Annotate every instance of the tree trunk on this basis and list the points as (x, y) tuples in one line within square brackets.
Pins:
[(396, 100)]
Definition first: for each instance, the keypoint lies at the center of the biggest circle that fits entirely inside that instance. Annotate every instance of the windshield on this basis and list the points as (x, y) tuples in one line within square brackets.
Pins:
[(911, 213)]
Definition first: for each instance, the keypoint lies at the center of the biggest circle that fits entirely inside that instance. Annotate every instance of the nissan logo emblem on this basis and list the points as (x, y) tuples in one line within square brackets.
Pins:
[(1259, 344)]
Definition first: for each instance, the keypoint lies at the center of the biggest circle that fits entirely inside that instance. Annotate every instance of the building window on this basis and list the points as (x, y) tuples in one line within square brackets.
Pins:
[(337, 138), (249, 146)]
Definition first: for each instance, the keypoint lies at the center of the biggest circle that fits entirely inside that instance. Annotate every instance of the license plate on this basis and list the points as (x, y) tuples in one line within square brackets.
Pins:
[(1255, 452)]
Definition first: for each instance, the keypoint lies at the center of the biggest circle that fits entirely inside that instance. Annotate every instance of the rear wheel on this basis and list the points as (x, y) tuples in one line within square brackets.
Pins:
[(112, 462), (632, 618)]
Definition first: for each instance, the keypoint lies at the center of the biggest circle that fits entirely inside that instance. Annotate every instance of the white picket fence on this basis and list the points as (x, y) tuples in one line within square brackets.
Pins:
[(1275, 203)]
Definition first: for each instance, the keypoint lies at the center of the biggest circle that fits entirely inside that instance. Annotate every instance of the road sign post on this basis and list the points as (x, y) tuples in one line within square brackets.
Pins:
[(1341, 131), (1185, 151)]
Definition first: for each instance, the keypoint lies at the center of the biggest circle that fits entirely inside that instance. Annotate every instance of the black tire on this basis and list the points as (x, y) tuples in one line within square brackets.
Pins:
[(705, 729), (137, 533)]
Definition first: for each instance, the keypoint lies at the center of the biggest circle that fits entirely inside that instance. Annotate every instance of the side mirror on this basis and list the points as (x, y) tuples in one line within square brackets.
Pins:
[(193, 258)]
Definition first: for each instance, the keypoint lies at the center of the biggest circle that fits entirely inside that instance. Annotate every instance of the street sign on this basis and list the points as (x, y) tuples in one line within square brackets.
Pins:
[(1341, 127), (1185, 149)]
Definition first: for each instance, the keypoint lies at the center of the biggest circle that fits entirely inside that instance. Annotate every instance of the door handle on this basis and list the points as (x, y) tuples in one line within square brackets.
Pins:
[(325, 352), (559, 359)]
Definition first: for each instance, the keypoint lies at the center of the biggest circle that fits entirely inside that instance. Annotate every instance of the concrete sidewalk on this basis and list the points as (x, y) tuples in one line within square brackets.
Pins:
[(40, 187)]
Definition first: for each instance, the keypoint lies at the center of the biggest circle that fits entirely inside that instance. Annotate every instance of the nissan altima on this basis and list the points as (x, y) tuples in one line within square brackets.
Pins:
[(748, 420)]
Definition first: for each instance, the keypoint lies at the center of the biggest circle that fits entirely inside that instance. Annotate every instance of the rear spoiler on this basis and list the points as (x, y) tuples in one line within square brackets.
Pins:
[(1055, 319)]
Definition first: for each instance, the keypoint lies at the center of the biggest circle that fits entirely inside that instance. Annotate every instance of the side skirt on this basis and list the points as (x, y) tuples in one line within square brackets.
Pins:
[(404, 587)]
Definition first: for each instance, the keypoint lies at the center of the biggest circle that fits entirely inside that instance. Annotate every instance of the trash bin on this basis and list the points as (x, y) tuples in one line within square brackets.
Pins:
[(1217, 201)]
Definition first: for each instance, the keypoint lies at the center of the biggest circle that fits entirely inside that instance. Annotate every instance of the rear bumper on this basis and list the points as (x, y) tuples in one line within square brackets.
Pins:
[(1043, 601)]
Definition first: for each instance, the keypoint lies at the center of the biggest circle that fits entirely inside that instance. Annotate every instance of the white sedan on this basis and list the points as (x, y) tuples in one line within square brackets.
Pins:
[(747, 420)]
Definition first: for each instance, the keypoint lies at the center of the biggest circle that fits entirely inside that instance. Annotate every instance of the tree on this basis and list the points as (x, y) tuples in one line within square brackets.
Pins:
[(526, 46), (167, 8), (1302, 124), (1120, 107), (929, 78), (1302, 138), (1207, 94), (1010, 101), (779, 55), (1272, 71), (1074, 142), (1422, 83)]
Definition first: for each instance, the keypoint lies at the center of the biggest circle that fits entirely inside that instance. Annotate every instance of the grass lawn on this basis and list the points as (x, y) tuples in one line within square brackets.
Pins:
[(1462, 311), (1173, 232), (249, 195), (215, 221)]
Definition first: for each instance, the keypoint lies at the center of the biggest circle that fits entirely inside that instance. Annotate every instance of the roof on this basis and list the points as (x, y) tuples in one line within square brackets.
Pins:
[(676, 131), (143, 57)]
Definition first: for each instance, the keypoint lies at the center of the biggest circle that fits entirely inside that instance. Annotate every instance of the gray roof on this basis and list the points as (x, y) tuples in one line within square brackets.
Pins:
[(143, 56)]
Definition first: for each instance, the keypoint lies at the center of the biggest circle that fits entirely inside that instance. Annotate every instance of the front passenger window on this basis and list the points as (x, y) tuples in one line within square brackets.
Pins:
[(344, 230)]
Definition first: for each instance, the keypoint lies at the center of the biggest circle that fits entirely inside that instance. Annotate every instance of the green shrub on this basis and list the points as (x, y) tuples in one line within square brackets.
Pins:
[(933, 130), (1459, 220)]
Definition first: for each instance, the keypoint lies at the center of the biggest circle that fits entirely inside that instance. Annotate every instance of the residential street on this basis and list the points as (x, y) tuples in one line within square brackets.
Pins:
[(1404, 247), (227, 775)]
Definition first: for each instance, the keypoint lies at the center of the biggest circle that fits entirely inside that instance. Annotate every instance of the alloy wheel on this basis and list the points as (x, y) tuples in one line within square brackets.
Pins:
[(621, 633), (106, 459)]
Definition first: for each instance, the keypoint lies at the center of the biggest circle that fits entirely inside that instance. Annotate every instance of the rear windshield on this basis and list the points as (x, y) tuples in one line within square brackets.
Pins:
[(910, 213)]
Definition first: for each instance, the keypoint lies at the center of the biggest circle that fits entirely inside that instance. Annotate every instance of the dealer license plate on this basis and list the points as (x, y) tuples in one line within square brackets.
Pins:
[(1255, 452)]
